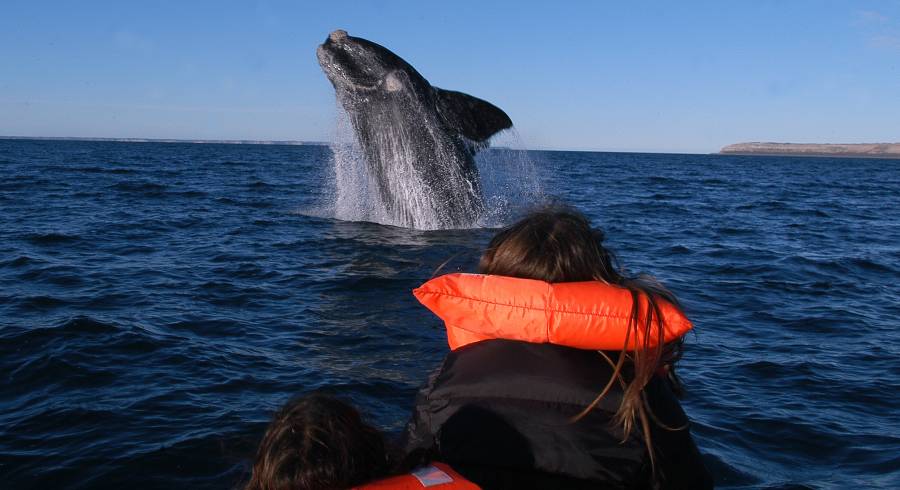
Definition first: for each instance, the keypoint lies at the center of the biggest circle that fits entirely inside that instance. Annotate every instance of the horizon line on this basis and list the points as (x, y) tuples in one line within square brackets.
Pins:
[(310, 143)]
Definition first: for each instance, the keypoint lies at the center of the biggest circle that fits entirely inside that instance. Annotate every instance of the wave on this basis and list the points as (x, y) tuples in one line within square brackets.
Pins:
[(20, 261), (139, 187), (51, 238), (97, 170)]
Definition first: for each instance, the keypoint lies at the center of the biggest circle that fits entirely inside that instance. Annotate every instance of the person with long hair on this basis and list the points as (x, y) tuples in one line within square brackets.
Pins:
[(562, 368), (320, 442)]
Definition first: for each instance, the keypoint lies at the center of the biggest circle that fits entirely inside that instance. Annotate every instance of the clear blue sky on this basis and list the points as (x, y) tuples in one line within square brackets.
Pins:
[(643, 76)]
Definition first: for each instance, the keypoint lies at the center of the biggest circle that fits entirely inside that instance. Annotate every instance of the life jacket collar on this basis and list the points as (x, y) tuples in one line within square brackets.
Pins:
[(586, 315)]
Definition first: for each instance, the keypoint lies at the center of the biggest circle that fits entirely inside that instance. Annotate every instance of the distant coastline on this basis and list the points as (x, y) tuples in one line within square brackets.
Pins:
[(864, 150), (155, 140)]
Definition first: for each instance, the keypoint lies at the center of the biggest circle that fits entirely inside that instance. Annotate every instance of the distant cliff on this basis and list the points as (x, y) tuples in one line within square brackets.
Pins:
[(868, 150)]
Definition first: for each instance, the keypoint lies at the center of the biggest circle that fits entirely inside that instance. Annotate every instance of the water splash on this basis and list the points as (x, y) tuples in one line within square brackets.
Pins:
[(509, 181), (354, 196)]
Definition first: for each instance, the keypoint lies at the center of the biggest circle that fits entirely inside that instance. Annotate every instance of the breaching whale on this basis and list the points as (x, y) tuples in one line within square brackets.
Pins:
[(419, 141)]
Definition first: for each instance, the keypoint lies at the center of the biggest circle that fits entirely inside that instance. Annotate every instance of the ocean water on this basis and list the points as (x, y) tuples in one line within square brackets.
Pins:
[(159, 301)]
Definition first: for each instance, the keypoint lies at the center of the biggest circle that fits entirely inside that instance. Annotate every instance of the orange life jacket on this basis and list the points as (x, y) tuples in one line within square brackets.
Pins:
[(435, 475), (585, 315)]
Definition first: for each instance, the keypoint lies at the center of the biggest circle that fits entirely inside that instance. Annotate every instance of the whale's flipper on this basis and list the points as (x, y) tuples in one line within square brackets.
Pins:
[(474, 118)]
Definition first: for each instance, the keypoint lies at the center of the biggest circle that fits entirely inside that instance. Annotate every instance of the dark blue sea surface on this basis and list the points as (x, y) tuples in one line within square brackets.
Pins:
[(159, 301)]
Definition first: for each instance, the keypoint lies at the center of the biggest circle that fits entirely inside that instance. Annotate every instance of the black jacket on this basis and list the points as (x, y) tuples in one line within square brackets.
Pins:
[(499, 412)]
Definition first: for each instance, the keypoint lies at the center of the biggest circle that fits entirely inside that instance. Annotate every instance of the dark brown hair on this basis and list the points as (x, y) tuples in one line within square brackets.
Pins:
[(318, 442), (558, 244)]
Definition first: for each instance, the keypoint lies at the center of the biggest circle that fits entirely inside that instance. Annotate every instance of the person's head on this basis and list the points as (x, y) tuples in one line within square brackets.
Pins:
[(558, 244), (318, 442)]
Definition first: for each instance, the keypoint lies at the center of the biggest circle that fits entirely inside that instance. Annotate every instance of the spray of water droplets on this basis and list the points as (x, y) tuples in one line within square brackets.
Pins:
[(509, 181)]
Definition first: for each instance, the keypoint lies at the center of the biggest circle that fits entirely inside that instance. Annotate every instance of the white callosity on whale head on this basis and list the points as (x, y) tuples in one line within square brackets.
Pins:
[(338, 35), (392, 82)]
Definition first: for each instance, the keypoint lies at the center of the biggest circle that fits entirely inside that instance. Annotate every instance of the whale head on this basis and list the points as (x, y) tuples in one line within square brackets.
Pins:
[(359, 66), (364, 73)]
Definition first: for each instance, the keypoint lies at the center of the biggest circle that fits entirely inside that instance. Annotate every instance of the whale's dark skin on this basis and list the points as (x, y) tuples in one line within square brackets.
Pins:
[(403, 124)]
